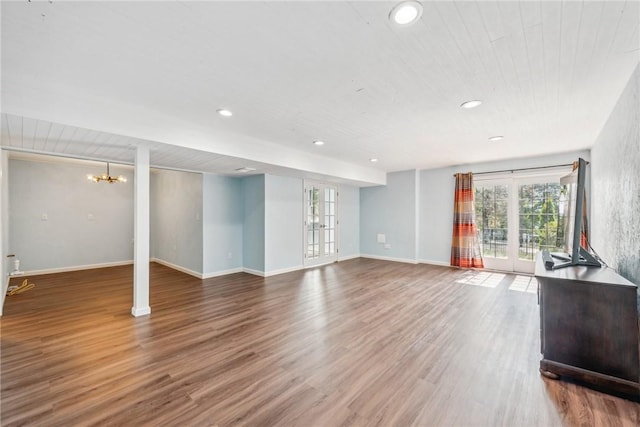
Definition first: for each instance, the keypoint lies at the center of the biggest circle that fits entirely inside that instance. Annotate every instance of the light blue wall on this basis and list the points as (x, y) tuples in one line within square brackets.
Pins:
[(253, 235), (68, 238), (390, 210), (615, 179), (222, 223), (436, 215), (283, 223), (436, 200), (349, 217), (176, 218)]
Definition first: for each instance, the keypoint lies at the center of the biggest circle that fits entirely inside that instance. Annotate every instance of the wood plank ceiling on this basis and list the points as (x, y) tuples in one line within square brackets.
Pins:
[(94, 79)]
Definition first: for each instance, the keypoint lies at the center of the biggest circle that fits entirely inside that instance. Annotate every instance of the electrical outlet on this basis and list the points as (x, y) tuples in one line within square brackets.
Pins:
[(45, 217), (90, 217), (387, 245), (381, 238)]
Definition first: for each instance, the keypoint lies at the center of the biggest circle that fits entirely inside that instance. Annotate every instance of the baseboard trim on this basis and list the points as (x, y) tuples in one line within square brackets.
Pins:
[(272, 272), (324, 264), (283, 270), (348, 257), (225, 272), (188, 271), (254, 272), (177, 267), (140, 311), (387, 258), (222, 273), (432, 262), (75, 268)]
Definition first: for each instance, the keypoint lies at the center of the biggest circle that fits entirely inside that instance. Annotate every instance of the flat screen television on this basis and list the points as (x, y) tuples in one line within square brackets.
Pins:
[(577, 254)]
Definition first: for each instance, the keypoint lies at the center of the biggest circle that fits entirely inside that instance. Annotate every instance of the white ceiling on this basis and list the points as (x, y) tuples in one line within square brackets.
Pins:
[(94, 79), (28, 138)]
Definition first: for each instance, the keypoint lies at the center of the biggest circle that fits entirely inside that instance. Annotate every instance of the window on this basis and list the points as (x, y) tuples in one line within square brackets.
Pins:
[(517, 217), (541, 218), (492, 219)]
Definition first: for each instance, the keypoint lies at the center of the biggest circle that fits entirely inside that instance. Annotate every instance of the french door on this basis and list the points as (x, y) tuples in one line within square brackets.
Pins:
[(320, 223), (517, 218)]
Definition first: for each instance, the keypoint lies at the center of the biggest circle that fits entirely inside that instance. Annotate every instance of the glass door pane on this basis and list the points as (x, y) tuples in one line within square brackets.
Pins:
[(329, 220), (541, 219), (492, 219), (518, 217), (313, 223), (320, 224)]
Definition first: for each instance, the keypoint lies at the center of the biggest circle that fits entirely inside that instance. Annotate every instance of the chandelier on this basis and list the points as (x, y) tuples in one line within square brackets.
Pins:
[(107, 177)]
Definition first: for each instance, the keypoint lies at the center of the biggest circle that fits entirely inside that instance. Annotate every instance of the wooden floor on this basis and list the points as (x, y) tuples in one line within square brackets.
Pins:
[(360, 342)]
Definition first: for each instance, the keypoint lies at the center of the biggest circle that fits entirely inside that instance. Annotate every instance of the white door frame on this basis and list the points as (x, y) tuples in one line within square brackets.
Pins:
[(502, 264), (322, 258), (513, 263)]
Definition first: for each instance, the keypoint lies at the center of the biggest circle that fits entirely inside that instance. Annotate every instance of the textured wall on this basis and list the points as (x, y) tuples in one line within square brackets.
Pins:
[(615, 183)]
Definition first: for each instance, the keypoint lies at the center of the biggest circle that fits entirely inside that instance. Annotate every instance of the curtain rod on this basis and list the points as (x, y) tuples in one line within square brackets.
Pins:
[(521, 169)]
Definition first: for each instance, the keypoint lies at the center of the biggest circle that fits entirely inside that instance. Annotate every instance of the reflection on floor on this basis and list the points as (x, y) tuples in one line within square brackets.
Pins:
[(361, 342), (481, 278), (487, 279), (524, 284)]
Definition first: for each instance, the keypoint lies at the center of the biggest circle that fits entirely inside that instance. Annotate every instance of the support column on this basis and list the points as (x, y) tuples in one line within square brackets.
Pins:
[(141, 234)]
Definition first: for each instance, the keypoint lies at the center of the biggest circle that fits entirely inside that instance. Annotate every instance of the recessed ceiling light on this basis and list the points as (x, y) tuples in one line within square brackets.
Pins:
[(318, 142), (496, 138), (406, 13), (225, 113), (373, 160), (245, 170), (471, 104)]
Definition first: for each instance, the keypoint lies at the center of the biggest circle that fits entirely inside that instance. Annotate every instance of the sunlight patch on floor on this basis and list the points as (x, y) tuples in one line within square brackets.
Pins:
[(524, 284), (484, 279)]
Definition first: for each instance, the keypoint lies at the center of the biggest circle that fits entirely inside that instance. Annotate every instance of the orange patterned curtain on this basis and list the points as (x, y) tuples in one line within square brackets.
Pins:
[(465, 247), (584, 230)]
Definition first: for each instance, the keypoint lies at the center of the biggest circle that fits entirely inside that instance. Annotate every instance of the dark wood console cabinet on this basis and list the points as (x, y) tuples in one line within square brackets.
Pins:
[(589, 327)]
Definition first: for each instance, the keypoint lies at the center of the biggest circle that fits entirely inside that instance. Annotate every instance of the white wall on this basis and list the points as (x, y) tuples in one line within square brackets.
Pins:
[(284, 200), (222, 224), (615, 180), (176, 219), (349, 221), (87, 223), (4, 225), (436, 200)]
